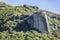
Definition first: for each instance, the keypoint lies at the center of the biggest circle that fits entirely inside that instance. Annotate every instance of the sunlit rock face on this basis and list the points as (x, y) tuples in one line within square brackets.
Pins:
[(39, 21)]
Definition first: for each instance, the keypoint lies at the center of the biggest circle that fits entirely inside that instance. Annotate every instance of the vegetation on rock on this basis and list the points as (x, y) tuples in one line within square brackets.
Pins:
[(13, 27)]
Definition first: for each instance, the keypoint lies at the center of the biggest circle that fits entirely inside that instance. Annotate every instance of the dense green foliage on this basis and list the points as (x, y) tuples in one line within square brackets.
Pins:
[(28, 35), (13, 27)]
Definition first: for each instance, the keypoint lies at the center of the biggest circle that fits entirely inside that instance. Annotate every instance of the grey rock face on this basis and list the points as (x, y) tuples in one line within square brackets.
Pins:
[(39, 21)]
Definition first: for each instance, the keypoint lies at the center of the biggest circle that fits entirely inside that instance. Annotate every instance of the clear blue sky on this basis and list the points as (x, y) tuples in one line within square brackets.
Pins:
[(50, 5)]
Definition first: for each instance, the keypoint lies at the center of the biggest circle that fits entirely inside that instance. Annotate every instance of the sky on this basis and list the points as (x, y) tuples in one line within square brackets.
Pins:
[(50, 5)]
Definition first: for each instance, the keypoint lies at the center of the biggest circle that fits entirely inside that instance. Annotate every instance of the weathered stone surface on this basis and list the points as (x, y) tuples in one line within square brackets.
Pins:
[(39, 21)]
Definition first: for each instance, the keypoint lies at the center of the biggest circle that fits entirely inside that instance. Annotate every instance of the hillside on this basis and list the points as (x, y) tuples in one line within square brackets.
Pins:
[(12, 25)]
